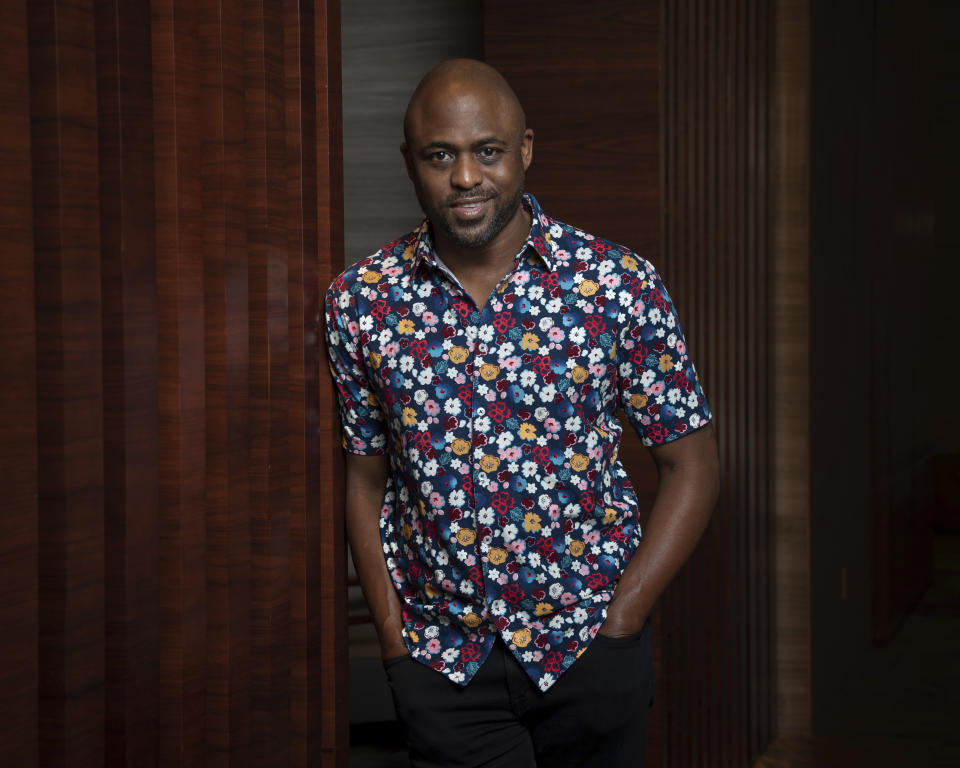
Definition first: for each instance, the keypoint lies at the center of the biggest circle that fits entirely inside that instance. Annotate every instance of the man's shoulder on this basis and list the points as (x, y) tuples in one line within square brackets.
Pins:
[(389, 262), (580, 250)]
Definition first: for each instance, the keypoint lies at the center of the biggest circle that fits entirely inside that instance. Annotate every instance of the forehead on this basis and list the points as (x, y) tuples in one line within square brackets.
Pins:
[(462, 115)]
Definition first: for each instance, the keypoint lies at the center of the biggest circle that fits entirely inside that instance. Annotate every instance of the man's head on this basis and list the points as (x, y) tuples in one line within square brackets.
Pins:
[(467, 148)]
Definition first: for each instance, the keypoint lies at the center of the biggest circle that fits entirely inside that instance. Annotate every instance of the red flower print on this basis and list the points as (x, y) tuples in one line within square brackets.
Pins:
[(498, 412), (553, 663), (513, 593), (470, 652)]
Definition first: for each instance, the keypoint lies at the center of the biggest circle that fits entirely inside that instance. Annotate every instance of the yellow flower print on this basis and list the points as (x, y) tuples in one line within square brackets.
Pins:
[(488, 371), (409, 417), (579, 375), (543, 609), (529, 341), (528, 431), (609, 515), (489, 463), (638, 401), (588, 288), (372, 399), (521, 638), (628, 262), (408, 252), (579, 462), (497, 555), (407, 531), (414, 637), (577, 547), (471, 620), (431, 590), (466, 536), (531, 522), (458, 354), (375, 359), (666, 362), (370, 276), (405, 326), (461, 446)]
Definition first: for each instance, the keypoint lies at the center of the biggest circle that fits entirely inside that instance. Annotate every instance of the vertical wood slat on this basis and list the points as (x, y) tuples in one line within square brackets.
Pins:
[(327, 536), (182, 448), (226, 321), (717, 251), (19, 521), (69, 382), (129, 289)]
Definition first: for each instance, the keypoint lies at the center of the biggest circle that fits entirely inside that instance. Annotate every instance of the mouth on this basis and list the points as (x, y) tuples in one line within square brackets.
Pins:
[(472, 208)]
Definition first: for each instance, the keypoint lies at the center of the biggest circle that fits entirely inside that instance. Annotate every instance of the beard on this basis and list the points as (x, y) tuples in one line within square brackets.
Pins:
[(479, 233)]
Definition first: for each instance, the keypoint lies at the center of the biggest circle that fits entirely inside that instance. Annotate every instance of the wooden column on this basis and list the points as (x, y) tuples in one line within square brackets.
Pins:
[(172, 551)]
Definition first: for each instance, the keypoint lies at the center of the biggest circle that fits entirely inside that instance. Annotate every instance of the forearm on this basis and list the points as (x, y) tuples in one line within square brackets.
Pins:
[(366, 477), (686, 495)]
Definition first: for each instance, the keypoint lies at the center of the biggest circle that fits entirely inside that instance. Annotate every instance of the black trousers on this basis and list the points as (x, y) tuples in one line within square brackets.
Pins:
[(594, 715)]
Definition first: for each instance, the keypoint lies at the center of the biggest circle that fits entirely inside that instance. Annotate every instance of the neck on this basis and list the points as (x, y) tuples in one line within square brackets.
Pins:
[(496, 254)]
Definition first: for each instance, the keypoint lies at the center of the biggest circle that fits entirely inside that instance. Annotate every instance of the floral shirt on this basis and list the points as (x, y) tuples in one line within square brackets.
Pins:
[(506, 511)]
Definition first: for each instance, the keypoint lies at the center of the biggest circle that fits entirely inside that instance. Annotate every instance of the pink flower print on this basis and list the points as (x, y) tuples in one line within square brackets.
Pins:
[(511, 454), (551, 425), (655, 389), (433, 646), (568, 598), (390, 349), (436, 500), (429, 318), (431, 407), (511, 363), (555, 334)]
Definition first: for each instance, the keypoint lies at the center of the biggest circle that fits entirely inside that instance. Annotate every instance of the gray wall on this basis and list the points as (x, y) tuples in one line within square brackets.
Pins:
[(387, 47)]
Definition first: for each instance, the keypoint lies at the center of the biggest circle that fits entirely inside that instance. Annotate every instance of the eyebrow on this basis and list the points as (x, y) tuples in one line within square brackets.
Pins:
[(479, 143)]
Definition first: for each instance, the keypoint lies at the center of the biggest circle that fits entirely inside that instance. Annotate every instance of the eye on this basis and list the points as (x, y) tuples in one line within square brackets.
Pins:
[(489, 153), (439, 156)]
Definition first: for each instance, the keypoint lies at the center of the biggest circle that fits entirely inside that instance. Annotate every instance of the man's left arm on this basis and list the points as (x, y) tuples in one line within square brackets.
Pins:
[(687, 492)]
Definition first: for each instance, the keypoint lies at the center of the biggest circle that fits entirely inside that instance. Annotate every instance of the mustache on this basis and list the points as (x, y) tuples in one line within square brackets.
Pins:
[(472, 194)]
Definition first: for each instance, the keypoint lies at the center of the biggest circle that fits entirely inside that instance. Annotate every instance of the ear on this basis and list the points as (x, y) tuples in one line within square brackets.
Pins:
[(526, 148), (407, 159)]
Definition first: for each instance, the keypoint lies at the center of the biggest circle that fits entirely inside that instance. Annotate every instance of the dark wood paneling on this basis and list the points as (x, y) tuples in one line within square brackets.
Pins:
[(130, 430), (326, 535), (66, 219), (226, 321), (19, 523), (171, 211), (664, 147)]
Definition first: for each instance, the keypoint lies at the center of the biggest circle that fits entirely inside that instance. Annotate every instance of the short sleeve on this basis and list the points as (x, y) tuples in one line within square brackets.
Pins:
[(361, 417), (658, 385)]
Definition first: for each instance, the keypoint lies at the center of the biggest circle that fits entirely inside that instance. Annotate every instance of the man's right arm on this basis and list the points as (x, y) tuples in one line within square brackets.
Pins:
[(366, 479)]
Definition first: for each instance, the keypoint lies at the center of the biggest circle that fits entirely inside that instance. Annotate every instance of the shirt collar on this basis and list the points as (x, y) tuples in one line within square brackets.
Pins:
[(538, 239)]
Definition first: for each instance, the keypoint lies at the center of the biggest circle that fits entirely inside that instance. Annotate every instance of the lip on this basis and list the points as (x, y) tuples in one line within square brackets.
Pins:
[(470, 209)]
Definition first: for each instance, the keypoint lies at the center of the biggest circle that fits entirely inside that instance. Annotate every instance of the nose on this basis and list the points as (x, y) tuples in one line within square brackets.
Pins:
[(466, 172)]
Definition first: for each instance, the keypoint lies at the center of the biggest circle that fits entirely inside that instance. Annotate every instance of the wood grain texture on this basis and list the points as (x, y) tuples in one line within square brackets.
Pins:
[(69, 399), (668, 151), (19, 520), (130, 435), (790, 129), (172, 551), (328, 533)]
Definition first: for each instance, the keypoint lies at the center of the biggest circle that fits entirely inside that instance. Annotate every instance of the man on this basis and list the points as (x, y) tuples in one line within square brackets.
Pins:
[(480, 360)]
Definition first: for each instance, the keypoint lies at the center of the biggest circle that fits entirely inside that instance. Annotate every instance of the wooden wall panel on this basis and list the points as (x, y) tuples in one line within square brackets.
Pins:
[(130, 437), (665, 147), (19, 522), (173, 555), (63, 94)]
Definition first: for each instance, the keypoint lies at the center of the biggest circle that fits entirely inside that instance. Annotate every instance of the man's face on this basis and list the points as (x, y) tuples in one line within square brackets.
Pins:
[(466, 155)]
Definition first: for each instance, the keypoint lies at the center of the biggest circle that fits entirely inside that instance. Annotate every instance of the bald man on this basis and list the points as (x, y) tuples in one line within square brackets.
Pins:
[(480, 361)]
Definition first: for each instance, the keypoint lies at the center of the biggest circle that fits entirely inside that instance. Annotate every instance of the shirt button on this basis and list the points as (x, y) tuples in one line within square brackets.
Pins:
[(480, 411), (482, 349)]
